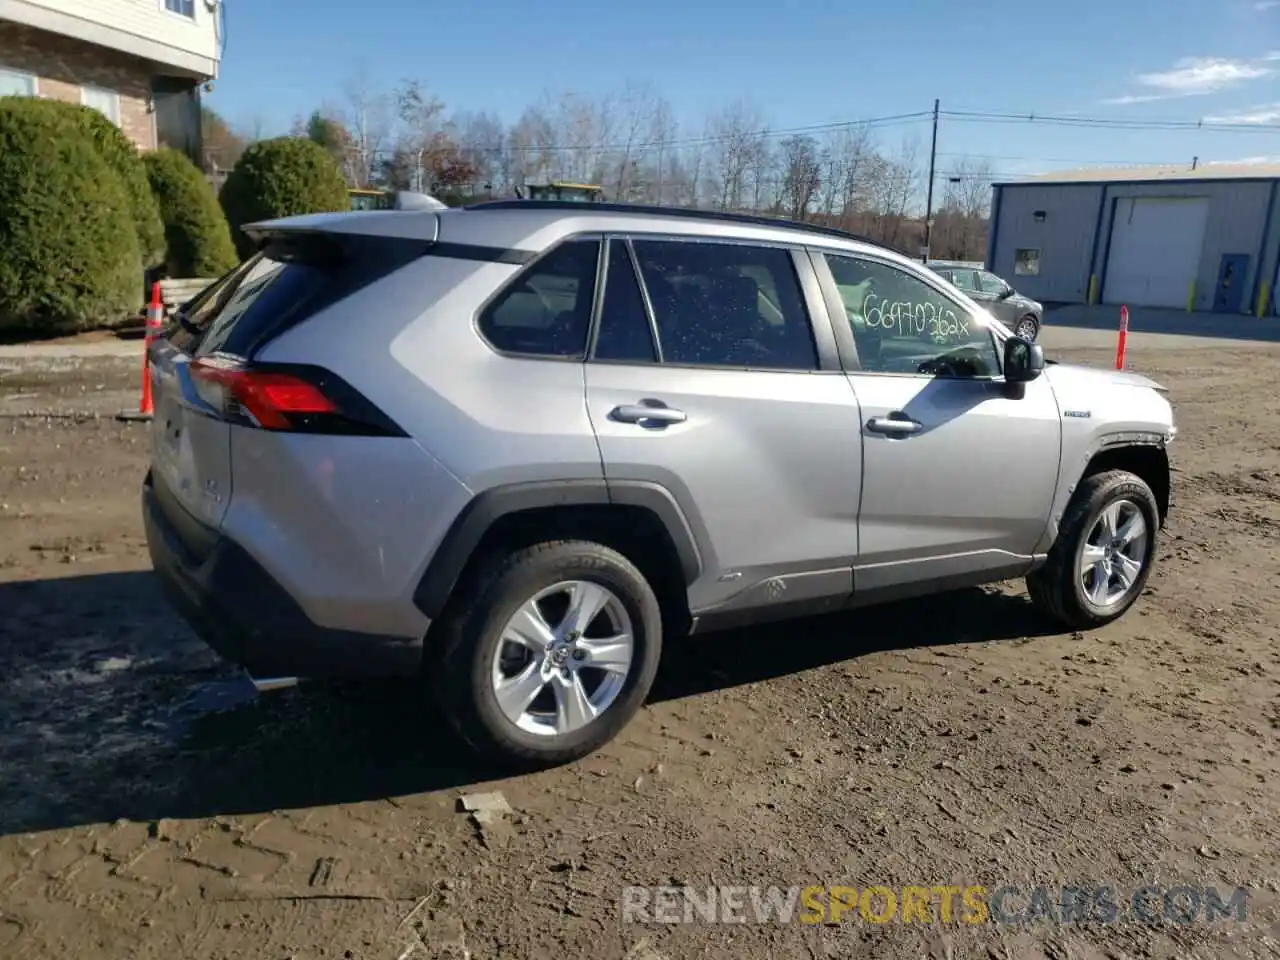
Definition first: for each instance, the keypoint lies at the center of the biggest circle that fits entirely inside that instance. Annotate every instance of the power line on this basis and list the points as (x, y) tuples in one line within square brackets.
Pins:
[(765, 133), (1005, 158), (748, 137), (901, 119), (1113, 123)]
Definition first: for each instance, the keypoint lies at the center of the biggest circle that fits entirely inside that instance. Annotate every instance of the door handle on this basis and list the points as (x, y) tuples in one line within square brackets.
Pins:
[(894, 426), (642, 413)]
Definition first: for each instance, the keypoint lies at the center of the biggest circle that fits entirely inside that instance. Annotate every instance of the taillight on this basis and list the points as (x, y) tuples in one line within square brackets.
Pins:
[(287, 397)]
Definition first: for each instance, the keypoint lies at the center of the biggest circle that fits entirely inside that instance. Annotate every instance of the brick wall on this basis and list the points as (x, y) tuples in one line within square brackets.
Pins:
[(61, 65)]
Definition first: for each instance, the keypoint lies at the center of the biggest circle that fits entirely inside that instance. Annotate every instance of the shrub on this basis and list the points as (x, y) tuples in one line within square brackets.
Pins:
[(283, 177), (68, 249), (123, 157), (197, 237)]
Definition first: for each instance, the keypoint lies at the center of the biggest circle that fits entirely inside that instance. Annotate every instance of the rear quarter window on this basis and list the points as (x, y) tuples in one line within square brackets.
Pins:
[(546, 310)]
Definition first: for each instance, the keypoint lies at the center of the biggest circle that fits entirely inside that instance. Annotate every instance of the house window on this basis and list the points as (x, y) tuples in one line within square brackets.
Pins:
[(184, 8), (15, 83), (106, 102), (1026, 263)]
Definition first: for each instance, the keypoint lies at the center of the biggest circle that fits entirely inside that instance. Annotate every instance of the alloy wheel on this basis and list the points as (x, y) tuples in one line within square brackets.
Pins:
[(563, 658), (1112, 557)]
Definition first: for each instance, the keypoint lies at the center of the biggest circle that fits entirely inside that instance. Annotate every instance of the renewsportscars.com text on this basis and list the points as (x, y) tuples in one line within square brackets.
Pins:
[(972, 905)]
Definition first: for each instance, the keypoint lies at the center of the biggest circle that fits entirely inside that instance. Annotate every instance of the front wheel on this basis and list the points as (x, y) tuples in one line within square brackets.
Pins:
[(1102, 557), (1028, 328), (551, 653)]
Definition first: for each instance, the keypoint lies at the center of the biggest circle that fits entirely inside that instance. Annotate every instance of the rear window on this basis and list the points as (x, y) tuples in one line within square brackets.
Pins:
[(292, 278)]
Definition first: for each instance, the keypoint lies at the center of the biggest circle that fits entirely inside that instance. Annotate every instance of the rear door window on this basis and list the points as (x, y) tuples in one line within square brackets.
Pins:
[(727, 305), (624, 335)]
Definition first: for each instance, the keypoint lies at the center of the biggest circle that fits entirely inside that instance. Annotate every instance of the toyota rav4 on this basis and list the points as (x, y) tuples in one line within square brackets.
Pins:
[(511, 450)]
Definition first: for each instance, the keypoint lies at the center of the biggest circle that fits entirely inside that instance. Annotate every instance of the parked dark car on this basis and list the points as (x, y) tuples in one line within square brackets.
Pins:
[(1020, 314)]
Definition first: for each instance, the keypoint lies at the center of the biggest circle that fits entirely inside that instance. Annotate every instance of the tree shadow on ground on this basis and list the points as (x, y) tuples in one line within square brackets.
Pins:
[(112, 709)]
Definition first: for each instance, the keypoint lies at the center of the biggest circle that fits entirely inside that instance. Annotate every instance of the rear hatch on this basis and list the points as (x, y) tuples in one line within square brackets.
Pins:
[(205, 381)]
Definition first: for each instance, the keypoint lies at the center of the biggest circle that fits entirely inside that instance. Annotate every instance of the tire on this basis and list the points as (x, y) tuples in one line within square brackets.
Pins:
[(1057, 588), (1031, 321), (469, 640)]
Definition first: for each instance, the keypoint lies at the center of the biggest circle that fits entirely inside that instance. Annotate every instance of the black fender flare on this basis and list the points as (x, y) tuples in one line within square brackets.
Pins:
[(487, 507)]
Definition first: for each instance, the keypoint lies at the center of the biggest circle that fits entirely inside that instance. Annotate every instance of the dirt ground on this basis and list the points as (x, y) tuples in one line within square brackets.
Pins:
[(152, 807)]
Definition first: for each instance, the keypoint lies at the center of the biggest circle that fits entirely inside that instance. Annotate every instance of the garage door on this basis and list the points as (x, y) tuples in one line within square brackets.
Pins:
[(1155, 251)]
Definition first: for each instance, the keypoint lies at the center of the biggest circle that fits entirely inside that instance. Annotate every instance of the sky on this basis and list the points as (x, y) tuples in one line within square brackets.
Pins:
[(803, 63)]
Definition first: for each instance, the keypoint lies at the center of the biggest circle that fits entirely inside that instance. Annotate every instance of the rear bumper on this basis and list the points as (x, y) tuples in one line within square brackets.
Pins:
[(243, 613)]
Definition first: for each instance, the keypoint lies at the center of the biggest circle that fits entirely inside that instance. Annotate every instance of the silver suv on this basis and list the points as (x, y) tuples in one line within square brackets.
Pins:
[(512, 449)]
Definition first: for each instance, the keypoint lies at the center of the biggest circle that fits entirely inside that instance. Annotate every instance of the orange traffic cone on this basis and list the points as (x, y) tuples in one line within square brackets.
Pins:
[(155, 324)]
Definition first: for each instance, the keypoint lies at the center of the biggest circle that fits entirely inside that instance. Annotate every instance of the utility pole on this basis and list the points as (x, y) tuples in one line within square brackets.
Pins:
[(928, 203)]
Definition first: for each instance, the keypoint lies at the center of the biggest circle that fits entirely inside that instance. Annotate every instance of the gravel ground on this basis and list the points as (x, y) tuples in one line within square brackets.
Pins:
[(151, 806)]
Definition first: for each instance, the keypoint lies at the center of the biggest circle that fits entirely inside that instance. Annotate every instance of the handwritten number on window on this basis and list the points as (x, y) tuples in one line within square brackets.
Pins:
[(903, 318)]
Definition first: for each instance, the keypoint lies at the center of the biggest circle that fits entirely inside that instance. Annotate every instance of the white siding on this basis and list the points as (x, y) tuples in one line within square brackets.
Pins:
[(111, 22)]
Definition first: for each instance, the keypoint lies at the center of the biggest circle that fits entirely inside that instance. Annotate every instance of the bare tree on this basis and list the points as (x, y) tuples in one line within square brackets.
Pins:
[(685, 174), (960, 230), (801, 179), (482, 141), (422, 136), (636, 109), (591, 128), (630, 142), (892, 186), (563, 137), (531, 144), (762, 169), (368, 118), (846, 157), (663, 131), (734, 137), (222, 145)]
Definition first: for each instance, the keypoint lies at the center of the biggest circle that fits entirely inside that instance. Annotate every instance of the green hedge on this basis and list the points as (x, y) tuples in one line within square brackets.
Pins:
[(196, 233), (68, 246), (123, 157), (283, 177)]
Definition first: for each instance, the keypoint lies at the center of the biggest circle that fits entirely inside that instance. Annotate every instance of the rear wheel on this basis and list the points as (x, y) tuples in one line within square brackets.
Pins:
[(1102, 557), (1028, 328), (550, 654)]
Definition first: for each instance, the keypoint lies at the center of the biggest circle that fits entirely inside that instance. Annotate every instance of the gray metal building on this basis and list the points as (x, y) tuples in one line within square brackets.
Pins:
[(1205, 238)]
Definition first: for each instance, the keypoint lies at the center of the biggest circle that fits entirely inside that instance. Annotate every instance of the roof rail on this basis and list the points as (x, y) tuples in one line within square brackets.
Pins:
[(577, 206)]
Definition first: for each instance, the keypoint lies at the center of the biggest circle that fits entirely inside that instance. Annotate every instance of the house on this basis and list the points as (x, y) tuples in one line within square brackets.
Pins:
[(141, 62)]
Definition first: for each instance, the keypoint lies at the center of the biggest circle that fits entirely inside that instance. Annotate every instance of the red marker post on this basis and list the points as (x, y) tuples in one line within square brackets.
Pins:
[(1124, 336), (154, 329)]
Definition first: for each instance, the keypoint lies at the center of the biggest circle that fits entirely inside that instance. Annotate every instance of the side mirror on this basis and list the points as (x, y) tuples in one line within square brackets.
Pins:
[(1006, 293), (1023, 361)]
